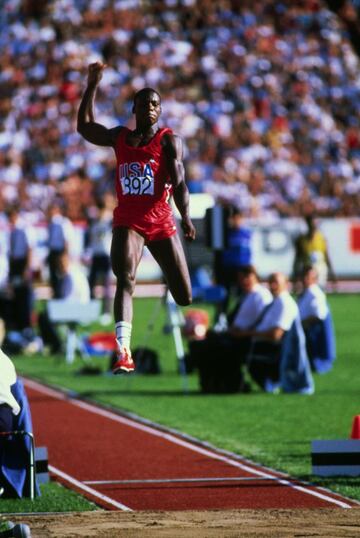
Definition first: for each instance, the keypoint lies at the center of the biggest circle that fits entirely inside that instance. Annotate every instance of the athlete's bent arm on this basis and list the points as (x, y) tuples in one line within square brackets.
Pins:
[(173, 149), (93, 132)]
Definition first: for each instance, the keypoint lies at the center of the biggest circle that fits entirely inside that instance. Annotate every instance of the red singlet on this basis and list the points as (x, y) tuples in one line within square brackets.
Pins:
[(143, 188)]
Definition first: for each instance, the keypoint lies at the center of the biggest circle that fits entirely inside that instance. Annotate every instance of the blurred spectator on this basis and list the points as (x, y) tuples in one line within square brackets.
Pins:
[(20, 277), (317, 322), (278, 358), (237, 254), (231, 347), (311, 250), (98, 249), (349, 13), (60, 236), (8, 405), (15, 415)]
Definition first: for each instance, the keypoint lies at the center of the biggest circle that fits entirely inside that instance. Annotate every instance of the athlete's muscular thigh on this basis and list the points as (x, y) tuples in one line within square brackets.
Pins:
[(170, 256), (126, 251)]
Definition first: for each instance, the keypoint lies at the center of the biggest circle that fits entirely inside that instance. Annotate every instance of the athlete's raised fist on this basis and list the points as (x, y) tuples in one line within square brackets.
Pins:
[(95, 72)]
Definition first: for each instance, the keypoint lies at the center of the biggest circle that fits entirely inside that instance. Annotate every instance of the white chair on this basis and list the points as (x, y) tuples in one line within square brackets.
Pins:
[(72, 314)]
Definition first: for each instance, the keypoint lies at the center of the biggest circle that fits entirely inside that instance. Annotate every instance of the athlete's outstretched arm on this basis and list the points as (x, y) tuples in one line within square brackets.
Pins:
[(173, 149), (86, 125)]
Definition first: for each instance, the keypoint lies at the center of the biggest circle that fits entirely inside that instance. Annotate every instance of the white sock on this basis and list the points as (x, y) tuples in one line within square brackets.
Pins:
[(123, 333)]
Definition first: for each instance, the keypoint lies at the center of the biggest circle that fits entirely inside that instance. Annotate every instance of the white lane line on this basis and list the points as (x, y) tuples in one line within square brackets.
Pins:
[(177, 480), (86, 488), (175, 440)]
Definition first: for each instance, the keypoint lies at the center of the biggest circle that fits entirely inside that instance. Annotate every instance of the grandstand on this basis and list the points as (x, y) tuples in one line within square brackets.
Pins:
[(265, 93)]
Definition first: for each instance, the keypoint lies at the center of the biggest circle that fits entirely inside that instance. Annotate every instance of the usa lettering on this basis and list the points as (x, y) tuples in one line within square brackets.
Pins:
[(136, 179)]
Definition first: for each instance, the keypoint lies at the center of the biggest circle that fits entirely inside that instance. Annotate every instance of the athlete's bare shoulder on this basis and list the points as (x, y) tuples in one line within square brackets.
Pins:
[(114, 134), (173, 145)]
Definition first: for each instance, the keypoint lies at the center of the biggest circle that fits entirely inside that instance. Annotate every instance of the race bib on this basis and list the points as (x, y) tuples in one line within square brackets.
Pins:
[(136, 180)]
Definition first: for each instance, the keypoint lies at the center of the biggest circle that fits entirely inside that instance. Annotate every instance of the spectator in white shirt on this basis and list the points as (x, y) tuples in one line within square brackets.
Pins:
[(8, 404), (267, 337), (256, 297), (221, 355), (317, 322), (15, 415), (312, 302)]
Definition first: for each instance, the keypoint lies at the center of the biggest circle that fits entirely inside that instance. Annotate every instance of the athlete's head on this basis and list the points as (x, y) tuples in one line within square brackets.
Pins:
[(147, 105)]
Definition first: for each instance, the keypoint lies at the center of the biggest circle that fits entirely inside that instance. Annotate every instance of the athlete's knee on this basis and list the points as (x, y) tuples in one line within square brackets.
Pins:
[(183, 298), (125, 281), (185, 302)]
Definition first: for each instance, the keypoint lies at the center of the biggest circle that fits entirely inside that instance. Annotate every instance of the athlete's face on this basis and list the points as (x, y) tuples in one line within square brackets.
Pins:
[(147, 108)]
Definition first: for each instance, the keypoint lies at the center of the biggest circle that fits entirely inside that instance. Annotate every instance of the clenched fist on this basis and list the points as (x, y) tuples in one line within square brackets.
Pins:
[(95, 72)]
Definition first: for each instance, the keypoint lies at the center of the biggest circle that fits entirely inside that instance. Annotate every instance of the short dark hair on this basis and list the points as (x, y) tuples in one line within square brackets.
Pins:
[(308, 268), (248, 270), (144, 91)]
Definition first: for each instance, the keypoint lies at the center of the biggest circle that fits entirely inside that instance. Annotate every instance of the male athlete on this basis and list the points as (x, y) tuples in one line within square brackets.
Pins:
[(149, 170)]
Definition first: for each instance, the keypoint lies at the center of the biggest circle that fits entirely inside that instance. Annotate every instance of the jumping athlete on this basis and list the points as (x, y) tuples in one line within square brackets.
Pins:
[(149, 170)]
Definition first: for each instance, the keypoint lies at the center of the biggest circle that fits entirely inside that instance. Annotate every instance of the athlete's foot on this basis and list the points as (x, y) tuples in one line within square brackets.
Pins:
[(124, 363)]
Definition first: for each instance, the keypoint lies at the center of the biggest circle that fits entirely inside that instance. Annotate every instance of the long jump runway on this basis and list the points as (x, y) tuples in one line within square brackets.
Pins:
[(122, 463)]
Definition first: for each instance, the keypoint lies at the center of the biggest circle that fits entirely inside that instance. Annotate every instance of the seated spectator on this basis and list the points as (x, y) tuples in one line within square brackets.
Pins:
[(14, 416), (8, 405), (317, 322), (231, 347), (278, 357), (71, 285)]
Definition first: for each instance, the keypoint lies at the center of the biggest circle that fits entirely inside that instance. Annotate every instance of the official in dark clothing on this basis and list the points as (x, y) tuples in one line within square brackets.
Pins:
[(22, 297)]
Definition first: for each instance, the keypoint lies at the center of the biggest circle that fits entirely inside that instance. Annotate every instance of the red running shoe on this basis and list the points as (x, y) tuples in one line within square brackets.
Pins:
[(124, 363)]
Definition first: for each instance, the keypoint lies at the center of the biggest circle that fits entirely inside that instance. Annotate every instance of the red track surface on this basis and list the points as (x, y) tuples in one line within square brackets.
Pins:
[(87, 443)]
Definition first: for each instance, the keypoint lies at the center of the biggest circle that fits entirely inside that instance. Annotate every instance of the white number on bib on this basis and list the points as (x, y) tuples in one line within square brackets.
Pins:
[(137, 185)]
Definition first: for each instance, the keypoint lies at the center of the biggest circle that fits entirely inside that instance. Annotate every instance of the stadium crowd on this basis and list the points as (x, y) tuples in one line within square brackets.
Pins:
[(266, 95)]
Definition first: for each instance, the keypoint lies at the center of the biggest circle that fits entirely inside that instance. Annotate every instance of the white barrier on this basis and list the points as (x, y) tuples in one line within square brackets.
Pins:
[(273, 245)]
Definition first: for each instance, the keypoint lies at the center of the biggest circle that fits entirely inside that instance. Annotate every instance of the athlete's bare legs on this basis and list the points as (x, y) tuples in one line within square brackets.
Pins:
[(126, 251), (169, 254)]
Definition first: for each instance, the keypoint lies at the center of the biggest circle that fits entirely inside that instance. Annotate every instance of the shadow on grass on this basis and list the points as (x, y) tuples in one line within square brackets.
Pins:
[(141, 393), (331, 481)]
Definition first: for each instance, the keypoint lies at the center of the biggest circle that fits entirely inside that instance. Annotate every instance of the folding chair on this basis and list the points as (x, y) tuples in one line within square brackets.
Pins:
[(31, 462), (72, 314)]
